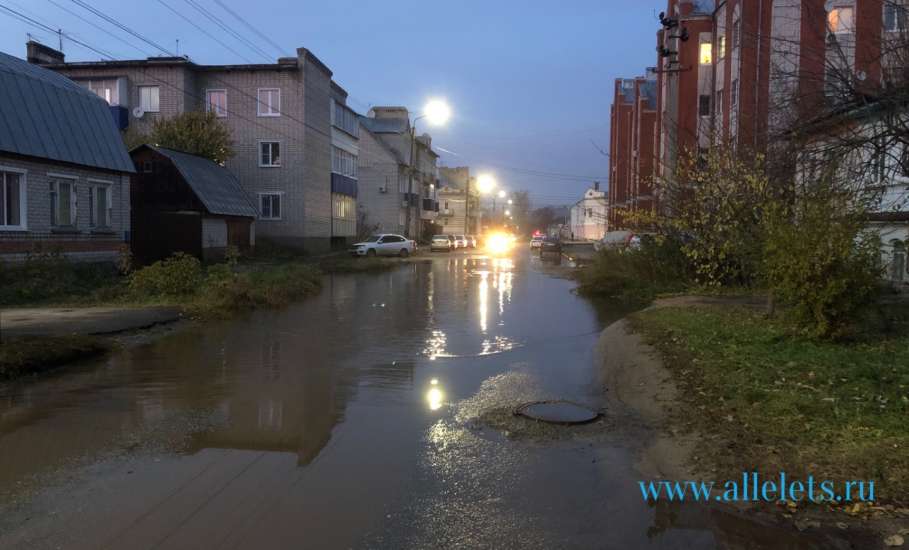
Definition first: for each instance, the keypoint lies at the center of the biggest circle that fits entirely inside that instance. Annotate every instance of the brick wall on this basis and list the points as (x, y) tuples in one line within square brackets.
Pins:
[(82, 241)]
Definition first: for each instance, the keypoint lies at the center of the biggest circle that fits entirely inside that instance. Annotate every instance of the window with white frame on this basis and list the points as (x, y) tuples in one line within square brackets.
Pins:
[(895, 19), (100, 204), (63, 202), (343, 207), (269, 102), (12, 199), (270, 206), (840, 20), (149, 99), (269, 154), (343, 162), (216, 102)]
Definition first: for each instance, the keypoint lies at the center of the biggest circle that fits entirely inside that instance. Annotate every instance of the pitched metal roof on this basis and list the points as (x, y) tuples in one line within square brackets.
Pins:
[(218, 190), (45, 115)]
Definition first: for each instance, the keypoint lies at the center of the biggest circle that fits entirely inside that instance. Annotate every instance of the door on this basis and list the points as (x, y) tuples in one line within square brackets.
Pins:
[(391, 245)]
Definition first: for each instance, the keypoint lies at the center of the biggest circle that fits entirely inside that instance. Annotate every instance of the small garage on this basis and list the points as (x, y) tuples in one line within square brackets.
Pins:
[(186, 203)]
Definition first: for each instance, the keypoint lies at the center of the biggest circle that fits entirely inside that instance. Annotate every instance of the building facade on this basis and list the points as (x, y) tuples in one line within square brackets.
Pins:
[(279, 115), (391, 135), (345, 160), (64, 170), (588, 216), (456, 216)]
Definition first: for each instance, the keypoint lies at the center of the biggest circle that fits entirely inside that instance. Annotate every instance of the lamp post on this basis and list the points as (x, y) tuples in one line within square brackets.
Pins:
[(437, 113)]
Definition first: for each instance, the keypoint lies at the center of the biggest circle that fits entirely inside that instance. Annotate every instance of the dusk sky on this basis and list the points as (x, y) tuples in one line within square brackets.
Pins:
[(529, 82)]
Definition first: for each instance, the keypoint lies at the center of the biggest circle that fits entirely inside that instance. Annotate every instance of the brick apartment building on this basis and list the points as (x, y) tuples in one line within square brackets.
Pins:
[(295, 141), (740, 73)]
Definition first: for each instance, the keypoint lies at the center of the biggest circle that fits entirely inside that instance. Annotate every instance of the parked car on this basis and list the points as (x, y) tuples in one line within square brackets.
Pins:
[(614, 240), (472, 241), (536, 241), (461, 241), (385, 244), (441, 242), (550, 245), (454, 241)]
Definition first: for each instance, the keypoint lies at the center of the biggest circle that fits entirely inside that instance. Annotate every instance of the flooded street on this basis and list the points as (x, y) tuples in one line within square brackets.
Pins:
[(355, 419)]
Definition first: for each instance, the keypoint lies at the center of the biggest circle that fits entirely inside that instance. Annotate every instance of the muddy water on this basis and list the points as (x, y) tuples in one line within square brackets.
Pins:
[(354, 419)]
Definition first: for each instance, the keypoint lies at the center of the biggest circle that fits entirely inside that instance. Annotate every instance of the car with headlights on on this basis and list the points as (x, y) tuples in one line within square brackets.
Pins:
[(472, 241), (536, 241), (441, 243), (384, 244), (461, 241)]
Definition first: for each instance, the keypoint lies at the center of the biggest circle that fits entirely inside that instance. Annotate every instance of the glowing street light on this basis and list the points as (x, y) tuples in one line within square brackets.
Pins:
[(508, 213), (485, 183), (437, 112), (510, 201), (502, 194)]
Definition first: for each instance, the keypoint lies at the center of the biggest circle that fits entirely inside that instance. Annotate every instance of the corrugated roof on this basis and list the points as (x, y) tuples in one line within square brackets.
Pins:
[(43, 114), (218, 189)]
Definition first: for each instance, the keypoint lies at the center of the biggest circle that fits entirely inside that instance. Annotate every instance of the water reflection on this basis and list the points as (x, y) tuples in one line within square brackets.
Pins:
[(435, 396)]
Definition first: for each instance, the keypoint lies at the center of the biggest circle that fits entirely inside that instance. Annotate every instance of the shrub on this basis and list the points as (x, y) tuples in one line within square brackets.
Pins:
[(658, 266), (177, 276), (48, 277), (821, 261)]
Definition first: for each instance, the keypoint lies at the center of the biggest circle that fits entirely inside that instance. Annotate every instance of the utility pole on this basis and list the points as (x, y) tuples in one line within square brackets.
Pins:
[(413, 149)]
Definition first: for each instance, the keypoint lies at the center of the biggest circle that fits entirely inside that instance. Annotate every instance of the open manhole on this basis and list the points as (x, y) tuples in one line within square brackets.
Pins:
[(558, 412)]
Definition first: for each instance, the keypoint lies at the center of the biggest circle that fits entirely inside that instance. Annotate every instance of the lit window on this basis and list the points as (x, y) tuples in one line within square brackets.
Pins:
[(706, 53), (269, 102), (149, 99), (216, 102), (270, 206), (721, 46), (840, 20), (269, 154)]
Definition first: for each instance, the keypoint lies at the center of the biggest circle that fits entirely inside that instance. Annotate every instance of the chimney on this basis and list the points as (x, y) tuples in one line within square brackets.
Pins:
[(39, 54), (596, 186), (389, 112)]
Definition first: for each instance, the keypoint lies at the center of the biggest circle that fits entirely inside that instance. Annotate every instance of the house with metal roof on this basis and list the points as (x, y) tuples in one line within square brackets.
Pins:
[(64, 170), (186, 203)]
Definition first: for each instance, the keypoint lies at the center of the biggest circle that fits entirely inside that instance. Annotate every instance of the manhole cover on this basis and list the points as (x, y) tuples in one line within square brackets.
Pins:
[(558, 412)]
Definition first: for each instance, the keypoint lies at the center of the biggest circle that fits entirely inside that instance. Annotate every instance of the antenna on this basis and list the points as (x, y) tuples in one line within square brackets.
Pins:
[(178, 47), (60, 38)]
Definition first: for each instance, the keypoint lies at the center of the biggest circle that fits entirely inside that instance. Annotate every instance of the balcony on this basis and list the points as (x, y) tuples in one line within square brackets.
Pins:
[(430, 209), (343, 185)]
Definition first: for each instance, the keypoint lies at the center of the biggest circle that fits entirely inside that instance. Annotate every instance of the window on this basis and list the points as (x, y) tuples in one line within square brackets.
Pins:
[(12, 200), (149, 99), (706, 53), (704, 105), (343, 207), (840, 20), (100, 206), (719, 100), (216, 102), (721, 46), (894, 17), (345, 119), (734, 94), (147, 167), (736, 33), (269, 154), (269, 102), (105, 89), (270, 206), (63, 202), (898, 268), (343, 162)]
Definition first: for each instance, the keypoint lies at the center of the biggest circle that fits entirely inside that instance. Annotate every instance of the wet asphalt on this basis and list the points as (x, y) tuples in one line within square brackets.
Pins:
[(375, 415)]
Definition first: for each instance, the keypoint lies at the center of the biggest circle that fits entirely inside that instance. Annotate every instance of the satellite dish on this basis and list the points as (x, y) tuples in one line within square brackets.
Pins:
[(138, 112)]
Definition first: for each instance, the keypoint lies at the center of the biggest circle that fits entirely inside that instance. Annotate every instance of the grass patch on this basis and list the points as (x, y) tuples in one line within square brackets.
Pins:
[(49, 279), (32, 354), (767, 400), (636, 275)]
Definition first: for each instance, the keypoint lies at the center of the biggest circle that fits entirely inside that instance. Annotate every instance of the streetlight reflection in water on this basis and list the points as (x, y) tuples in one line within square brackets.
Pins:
[(435, 396)]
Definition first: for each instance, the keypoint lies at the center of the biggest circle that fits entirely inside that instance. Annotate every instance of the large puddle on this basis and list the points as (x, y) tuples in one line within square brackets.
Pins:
[(351, 420)]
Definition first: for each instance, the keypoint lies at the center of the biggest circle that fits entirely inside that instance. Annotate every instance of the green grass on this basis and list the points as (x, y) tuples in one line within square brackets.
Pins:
[(767, 400), (32, 354)]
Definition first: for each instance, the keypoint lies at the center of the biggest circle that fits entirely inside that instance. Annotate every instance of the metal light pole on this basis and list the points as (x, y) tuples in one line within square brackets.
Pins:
[(437, 111)]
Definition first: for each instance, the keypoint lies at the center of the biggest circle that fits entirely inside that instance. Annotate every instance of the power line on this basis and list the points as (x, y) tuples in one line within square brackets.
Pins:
[(203, 31), (123, 27), (211, 17), (29, 20), (249, 26), (99, 27)]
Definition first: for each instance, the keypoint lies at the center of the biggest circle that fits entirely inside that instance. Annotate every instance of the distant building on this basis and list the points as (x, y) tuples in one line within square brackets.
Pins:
[(186, 203), (455, 217), (64, 171), (286, 118), (589, 216), (415, 191)]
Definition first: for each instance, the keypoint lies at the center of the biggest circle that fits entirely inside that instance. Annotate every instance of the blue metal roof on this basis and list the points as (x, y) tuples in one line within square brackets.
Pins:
[(45, 115), (218, 190)]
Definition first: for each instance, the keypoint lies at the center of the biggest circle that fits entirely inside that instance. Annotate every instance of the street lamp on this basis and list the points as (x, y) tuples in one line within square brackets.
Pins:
[(436, 112), (502, 193), (510, 201)]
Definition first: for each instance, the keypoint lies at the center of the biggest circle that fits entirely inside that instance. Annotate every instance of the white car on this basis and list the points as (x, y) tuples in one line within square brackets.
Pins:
[(385, 244)]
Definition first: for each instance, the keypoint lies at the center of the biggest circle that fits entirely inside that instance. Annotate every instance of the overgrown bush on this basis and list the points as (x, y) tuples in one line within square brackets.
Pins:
[(820, 261), (179, 275), (225, 291), (658, 266), (48, 277)]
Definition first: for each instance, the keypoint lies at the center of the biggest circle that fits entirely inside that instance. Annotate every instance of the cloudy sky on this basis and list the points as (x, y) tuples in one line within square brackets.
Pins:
[(529, 81)]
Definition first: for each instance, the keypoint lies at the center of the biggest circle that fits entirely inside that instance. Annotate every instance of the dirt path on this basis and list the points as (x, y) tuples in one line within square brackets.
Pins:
[(60, 321)]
